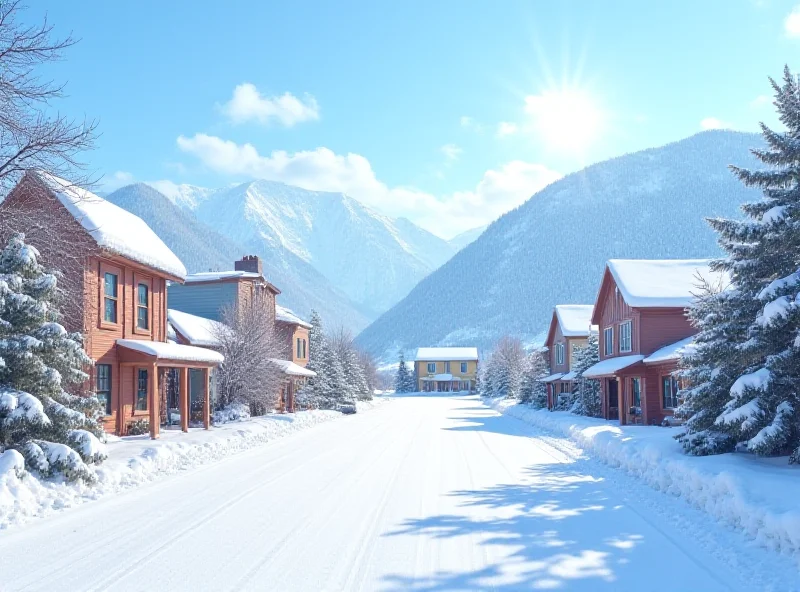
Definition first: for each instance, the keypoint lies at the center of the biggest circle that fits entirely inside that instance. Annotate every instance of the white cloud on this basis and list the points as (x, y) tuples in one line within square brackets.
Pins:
[(248, 104), (791, 25), (466, 121), (116, 180), (323, 170), (506, 128), (761, 101), (710, 123), (451, 152)]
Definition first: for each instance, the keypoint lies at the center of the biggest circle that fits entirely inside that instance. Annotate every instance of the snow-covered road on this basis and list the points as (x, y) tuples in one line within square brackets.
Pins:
[(435, 493)]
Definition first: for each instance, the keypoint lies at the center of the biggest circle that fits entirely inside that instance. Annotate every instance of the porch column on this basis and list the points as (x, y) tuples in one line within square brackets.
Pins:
[(184, 399), (290, 395), (155, 403), (207, 398)]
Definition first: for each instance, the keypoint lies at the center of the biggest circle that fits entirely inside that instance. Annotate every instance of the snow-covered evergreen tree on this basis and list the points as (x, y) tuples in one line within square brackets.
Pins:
[(749, 344), (401, 382), (586, 391), (503, 373), (319, 390), (534, 391), (56, 431)]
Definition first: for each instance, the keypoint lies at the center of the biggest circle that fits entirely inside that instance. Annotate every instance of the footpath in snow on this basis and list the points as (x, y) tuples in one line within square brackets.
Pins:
[(134, 460), (756, 495)]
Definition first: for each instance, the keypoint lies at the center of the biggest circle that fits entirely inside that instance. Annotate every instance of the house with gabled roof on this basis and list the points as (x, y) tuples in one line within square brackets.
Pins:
[(641, 315), (114, 272), (569, 330), (292, 334), (446, 369)]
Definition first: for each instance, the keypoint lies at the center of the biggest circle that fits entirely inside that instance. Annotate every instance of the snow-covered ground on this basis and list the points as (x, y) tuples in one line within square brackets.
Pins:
[(135, 460), (758, 496), (426, 493)]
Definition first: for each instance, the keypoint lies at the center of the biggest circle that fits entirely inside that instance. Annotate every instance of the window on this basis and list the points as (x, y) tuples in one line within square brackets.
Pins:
[(608, 340), (110, 297), (305, 352), (625, 337), (447, 367), (464, 368), (299, 348), (669, 387), (141, 390), (636, 392), (559, 353), (431, 367), (103, 386), (143, 307)]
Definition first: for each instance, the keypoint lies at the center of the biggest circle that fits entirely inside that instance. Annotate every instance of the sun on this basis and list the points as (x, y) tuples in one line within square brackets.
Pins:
[(566, 119)]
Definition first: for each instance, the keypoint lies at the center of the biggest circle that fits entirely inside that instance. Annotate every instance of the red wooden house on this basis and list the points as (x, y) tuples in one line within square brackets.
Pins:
[(641, 315), (114, 272), (569, 331)]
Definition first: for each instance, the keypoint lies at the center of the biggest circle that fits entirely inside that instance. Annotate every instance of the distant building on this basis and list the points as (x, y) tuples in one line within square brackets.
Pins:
[(641, 314), (293, 334), (446, 369), (569, 331), (114, 272)]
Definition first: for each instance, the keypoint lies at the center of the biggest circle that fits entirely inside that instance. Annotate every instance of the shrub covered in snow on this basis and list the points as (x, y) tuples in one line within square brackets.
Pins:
[(55, 431), (230, 413), (586, 391)]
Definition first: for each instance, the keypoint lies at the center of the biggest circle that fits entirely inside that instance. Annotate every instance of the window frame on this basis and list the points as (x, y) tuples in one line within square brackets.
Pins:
[(608, 341), (429, 367), (147, 281), (560, 354), (674, 389), (298, 348), (447, 367), (464, 368), (636, 392), (629, 325), (109, 408), (305, 349), (107, 269), (137, 391)]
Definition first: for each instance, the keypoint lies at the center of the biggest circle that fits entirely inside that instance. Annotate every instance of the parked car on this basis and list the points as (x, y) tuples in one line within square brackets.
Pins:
[(347, 408)]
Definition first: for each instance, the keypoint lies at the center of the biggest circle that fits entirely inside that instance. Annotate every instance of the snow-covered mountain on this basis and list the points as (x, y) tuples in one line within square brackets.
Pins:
[(373, 259), (183, 195), (467, 237), (552, 249), (202, 248)]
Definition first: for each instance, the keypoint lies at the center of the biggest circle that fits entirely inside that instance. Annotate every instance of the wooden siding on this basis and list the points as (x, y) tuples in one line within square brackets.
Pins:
[(203, 299), (662, 326)]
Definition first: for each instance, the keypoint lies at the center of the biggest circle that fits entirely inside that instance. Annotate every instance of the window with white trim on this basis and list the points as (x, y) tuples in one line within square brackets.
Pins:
[(608, 341), (559, 353), (625, 336), (669, 392)]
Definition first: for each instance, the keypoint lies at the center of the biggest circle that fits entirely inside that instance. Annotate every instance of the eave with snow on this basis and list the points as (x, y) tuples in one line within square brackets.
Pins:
[(643, 329), (446, 369), (114, 271)]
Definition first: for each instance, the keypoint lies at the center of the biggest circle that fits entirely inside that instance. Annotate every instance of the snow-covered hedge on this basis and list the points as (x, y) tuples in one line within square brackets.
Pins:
[(753, 494), (232, 412)]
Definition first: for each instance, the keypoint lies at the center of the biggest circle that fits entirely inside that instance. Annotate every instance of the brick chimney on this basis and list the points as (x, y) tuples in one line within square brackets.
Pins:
[(251, 263)]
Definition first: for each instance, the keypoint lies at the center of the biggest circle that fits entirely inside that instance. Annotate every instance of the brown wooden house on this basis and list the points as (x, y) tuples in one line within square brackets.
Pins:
[(569, 330), (114, 274), (641, 315)]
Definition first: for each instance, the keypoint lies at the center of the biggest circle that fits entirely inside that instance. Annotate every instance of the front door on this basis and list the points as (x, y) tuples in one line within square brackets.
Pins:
[(613, 398)]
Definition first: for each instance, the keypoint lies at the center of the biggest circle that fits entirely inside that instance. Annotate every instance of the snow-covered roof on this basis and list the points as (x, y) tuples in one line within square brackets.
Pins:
[(446, 354), (660, 282), (292, 369), (673, 351), (552, 377), (196, 330), (575, 319), (571, 375), (172, 351), (114, 229), (611, 366), (287, 316), (212, 276)]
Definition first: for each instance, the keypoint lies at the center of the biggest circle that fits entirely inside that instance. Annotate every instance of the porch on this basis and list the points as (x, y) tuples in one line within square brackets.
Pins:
[(294, 378), (445, 383), (158, 375)]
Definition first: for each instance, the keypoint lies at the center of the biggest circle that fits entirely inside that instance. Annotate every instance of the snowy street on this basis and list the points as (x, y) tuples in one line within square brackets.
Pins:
[(422, 493)]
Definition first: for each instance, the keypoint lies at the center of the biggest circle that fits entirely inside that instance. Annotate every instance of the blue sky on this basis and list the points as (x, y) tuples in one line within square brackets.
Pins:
[(449, 113)]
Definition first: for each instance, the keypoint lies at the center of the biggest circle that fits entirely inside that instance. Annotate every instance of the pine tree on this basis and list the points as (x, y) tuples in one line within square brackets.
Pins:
[(534, 391), (56, 431), (586, 391), (401, 379), (318, 391), (747, 365)]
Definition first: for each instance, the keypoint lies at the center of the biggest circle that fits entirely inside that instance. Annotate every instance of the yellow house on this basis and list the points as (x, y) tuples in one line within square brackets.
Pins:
[(446, 369)]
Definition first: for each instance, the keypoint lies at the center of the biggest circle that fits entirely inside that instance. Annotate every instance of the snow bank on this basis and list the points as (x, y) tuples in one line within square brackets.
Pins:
[(135, 460), (755, 495)]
